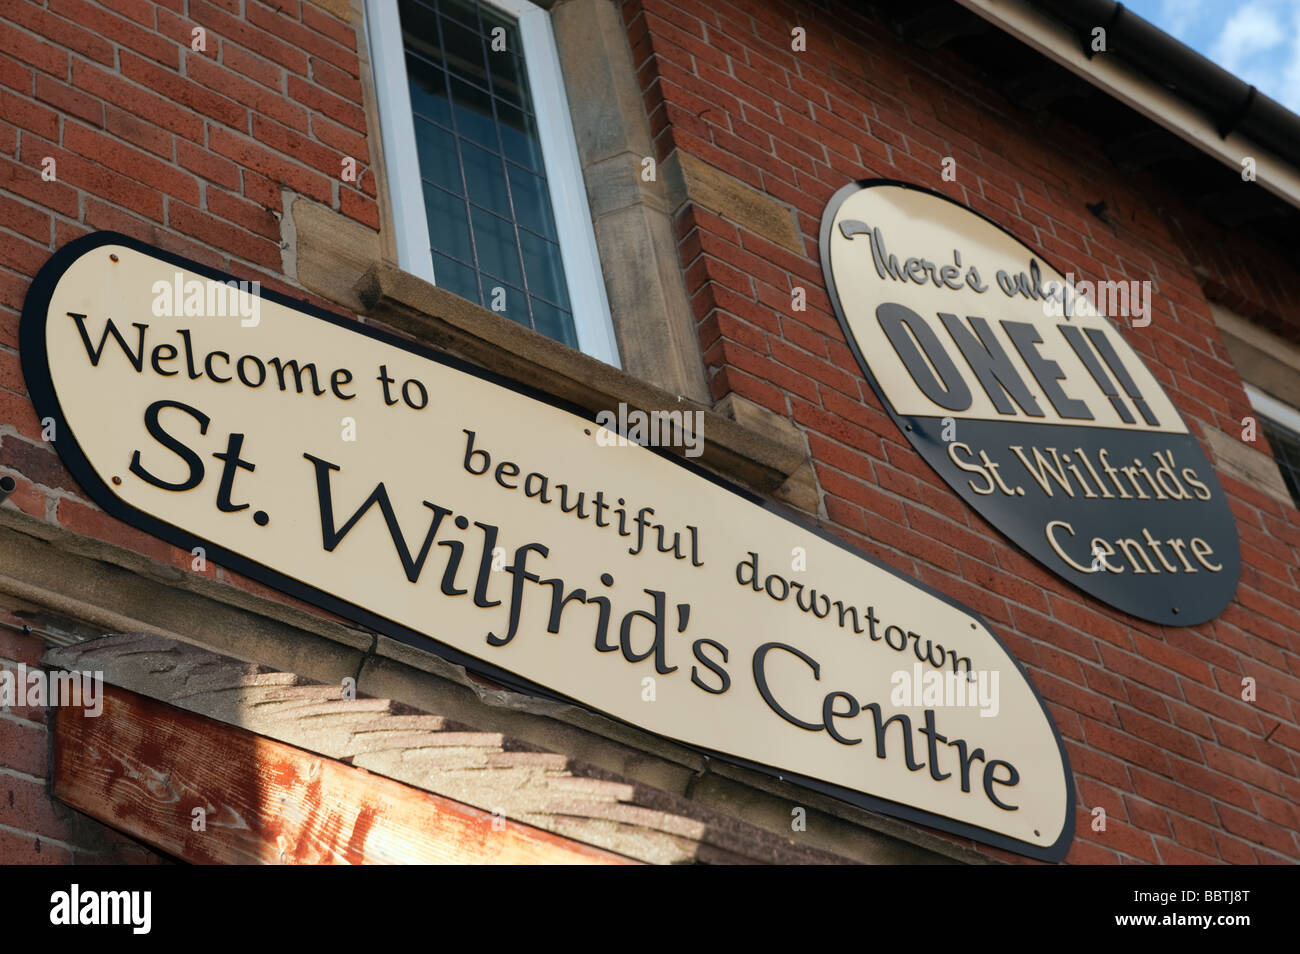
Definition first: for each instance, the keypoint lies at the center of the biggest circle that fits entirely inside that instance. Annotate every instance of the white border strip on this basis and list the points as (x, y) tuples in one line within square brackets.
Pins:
[(1271, 407), (397, 132), (564, 175)]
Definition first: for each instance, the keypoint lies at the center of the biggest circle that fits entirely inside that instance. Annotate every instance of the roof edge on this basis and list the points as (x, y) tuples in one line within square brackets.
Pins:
[(1162, 79)]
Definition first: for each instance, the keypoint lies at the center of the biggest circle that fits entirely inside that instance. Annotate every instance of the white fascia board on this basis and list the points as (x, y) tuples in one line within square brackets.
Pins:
[(1112, 76)]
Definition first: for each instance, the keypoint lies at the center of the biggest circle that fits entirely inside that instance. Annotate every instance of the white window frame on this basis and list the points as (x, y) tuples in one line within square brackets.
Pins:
[(577, 238), (1271, 407)]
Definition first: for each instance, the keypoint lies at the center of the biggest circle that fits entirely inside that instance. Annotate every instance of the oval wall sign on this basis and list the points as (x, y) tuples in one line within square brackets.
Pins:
[(1028, 401), (462, 514)]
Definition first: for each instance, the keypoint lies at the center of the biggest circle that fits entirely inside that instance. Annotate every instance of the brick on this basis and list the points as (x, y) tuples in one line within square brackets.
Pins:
[(256, 157), (25, 219), (26, 805), (16, 411), (814, 368), (33, 50), (322, 101), (1259, 832), (1133, 750), (344, 34), (837, 428), (24, 746), (137, 101), (31, 849), (1186, 717), (138, 132), (68, 100), (248, 215), (1090, 621), (236, 30), (1176, 797), (1074, 698), (871, 500), (183, 92), (337, 81), (181, 31), (302, 37), (1129, 840), (212, 231), (1171, 853), (101, 215), (141, 11), (93, 522), (253, 67), (1134, 667), (1278, 810), (1087, 853), (732, 380), (262, 190), (360, 207), (131, 162), (289, 143), (765, 367), (13, 289), (1224, 705), (1023, 592), (276, 103), (941, 529), (22, 255), (28, 115), (991, 605), (207, 166), (226, 82), (1168, 737), (1147, 817), (118, 30), (341, 139), (1249, 770), (61, 32), (1216, 785)]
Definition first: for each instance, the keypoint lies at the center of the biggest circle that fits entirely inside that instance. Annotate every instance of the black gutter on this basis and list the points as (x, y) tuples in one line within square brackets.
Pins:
[(1233, 105)]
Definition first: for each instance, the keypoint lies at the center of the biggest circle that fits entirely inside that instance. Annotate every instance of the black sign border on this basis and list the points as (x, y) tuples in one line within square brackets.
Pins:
[(828, 218), (40, 386)]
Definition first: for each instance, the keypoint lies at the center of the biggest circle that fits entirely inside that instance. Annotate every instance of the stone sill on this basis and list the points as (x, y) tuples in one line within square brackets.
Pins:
[(762, 461)]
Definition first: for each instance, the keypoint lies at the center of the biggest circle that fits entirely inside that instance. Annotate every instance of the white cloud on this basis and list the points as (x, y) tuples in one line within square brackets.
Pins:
[(1251, 30), (1177, 17), (1288, 93)]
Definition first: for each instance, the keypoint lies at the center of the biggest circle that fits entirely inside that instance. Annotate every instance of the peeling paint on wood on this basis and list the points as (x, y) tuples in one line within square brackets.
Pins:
[(143, 767)]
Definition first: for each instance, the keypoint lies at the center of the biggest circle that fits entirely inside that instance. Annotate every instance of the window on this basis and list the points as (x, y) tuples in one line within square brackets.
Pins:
[(1280, 423), (483, 174)]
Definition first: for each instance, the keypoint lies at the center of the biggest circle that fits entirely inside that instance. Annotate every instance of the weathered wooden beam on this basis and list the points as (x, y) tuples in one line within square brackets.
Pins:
[(143, 767)]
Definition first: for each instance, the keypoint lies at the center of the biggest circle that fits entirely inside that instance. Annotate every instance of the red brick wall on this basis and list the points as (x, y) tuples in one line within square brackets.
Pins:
[(190, 151), (1152, 716)]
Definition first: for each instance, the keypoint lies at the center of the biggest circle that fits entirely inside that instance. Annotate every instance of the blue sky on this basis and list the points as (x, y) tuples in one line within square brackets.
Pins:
[(1258, 40)]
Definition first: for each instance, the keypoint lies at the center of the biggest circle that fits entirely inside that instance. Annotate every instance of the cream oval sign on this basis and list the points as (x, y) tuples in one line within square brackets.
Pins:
[(1017, 389), (468, 516)]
